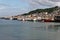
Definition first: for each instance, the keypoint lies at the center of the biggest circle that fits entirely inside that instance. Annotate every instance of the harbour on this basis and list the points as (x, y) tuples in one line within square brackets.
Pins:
[(55, 19), (29, 19)]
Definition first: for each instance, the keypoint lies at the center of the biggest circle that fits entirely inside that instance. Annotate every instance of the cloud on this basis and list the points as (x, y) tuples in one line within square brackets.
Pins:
[(47, 3), (3, 6), (25, 6), (7, 10), (55, 0)]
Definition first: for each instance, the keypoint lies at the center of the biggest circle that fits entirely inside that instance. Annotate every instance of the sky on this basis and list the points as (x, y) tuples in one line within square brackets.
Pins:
[(17, 7)]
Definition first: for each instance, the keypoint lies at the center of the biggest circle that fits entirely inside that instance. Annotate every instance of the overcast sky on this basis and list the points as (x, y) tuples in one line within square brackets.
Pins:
[(15, 7)]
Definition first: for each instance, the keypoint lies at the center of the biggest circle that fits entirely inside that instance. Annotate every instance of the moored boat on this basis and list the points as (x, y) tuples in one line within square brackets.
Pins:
[(57, 18)]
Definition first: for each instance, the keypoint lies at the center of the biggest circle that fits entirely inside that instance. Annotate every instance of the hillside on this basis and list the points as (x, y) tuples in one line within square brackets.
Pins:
[(49, 10)]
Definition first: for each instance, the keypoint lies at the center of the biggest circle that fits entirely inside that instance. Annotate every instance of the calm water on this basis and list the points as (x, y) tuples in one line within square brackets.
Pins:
[(18, 30)]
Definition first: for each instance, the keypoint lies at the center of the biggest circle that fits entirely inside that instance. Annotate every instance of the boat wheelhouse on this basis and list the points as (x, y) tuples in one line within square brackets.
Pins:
[(57, 18)]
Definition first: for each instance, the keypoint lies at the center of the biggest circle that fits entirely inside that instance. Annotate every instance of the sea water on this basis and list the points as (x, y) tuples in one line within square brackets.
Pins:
[(25, 30)]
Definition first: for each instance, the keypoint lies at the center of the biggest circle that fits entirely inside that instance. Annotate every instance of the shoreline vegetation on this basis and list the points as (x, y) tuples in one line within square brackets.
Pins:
[(43, 15)]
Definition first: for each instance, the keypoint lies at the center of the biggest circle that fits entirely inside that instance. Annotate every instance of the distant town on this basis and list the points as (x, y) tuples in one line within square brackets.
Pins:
[(43, 15)]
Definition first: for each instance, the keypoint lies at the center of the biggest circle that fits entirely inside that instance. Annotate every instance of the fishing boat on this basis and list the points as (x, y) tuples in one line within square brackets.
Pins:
[(57, 18)]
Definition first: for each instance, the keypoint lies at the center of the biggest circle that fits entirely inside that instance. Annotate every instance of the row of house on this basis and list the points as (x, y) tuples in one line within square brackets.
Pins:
[(36, 16)]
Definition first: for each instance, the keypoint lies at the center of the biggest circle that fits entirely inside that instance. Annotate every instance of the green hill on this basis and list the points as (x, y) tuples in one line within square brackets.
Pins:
[(49, 10)]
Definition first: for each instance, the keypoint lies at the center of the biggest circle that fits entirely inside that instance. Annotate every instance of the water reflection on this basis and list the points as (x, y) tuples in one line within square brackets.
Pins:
[(15, 30), (53, 27), (50, 28), (46, 32)]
